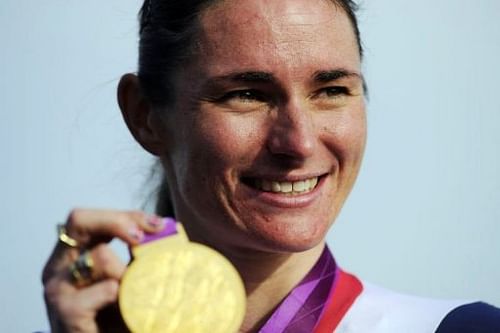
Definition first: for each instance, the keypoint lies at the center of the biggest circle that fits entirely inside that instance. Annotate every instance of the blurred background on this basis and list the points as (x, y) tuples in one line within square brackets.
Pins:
[(424, 217)]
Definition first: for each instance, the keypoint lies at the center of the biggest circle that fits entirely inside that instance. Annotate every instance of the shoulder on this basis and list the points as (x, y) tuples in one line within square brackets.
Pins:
[(473, 317), (378, 310)]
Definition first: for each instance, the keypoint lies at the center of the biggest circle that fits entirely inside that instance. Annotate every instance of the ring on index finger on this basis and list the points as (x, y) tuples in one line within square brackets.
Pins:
[(81, 270), (65, 238)]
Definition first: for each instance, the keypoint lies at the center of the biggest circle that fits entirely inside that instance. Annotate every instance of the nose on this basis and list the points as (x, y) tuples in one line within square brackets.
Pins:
[(292, 133)]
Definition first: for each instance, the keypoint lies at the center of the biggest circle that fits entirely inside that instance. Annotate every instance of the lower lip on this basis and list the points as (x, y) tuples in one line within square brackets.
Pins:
[(281, 200)]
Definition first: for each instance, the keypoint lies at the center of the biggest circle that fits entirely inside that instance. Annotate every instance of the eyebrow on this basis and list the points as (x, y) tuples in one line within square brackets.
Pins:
[(323, 76), (265, 77), (246, 77), (335, 74)]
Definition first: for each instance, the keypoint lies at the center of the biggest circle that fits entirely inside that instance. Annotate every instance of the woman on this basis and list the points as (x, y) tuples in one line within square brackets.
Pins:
[(256, 110)]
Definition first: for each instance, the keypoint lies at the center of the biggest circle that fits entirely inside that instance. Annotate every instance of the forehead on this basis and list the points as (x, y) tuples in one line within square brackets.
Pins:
[(269, 35)]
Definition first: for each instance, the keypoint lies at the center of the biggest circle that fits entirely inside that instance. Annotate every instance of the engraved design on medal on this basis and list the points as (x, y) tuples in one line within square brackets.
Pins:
[(190, 288)]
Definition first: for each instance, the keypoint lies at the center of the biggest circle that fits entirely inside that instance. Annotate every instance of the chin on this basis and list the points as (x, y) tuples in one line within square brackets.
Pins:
[(289, 238), (287, 247)]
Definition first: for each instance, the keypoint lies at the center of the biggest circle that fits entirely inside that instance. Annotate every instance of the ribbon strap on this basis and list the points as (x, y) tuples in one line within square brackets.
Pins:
[(169, 230), (302, 308)]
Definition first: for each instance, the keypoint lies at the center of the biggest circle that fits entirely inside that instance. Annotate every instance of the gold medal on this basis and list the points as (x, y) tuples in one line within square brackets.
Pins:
[(174, 285)]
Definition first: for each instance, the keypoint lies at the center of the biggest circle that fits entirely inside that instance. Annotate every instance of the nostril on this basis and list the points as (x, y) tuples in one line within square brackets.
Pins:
[(296, 140)]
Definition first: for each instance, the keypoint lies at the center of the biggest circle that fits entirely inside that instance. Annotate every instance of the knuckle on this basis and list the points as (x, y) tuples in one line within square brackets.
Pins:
[(74, 217), (102, 255), (74, 214), (76, 225), (116, 226)]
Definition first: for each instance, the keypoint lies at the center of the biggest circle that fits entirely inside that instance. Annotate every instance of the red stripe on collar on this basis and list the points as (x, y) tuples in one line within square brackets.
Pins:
[(342, 297)]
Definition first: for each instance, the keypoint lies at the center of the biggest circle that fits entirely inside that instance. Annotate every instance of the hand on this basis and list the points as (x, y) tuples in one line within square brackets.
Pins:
[(93, 307)]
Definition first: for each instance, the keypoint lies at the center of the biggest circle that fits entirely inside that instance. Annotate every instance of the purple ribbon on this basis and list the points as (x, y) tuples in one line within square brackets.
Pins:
[(169, 229), (301, 310)]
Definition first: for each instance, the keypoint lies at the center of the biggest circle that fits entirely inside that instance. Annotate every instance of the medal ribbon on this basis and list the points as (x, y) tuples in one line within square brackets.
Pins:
[(301, 309), (169, 230), (318, 302)]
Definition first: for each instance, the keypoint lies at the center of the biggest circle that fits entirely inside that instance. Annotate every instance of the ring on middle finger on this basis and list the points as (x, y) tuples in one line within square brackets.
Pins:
[(81, 270)]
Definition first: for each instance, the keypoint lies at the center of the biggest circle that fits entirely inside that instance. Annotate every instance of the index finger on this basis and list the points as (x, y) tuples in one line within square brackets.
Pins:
[(89, 227)]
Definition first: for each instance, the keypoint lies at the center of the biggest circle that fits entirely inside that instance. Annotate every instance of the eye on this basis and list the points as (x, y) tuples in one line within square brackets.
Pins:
[(244, 100), (244, 96), (333, 92), (332, 97)]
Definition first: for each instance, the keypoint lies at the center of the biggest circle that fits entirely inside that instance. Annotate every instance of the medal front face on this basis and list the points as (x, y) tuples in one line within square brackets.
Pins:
[(189, 288)]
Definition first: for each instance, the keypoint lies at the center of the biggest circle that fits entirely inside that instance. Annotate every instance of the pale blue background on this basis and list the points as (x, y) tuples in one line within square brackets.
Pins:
[(424, 217)]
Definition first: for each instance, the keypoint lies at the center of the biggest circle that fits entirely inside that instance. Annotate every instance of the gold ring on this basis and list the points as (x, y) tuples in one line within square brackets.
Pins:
[(64, 238), (81, 270)]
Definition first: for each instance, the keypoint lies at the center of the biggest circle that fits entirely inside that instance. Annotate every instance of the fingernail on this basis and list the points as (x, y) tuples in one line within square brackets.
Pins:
[(156, 221), (137, 234)]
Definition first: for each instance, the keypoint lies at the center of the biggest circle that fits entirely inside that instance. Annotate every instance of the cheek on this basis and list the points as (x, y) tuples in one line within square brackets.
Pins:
[(224, 142), (347, 134), (354, 132)]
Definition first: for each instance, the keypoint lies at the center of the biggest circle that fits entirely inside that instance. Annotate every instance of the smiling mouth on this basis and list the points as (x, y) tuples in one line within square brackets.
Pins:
[(283, 187)]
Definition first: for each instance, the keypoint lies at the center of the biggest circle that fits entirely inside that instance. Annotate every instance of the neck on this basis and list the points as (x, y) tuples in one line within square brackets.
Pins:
[(269, 278)]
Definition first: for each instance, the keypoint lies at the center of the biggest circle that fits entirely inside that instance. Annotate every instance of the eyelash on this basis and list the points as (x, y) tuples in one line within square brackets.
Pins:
[(247, 95), (334, 92), (253, 95)]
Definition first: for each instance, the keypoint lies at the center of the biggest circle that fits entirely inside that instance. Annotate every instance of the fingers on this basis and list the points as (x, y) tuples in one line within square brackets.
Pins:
[(74, 310), (106, 264), (98, 295), (89, 226), (72, 302)]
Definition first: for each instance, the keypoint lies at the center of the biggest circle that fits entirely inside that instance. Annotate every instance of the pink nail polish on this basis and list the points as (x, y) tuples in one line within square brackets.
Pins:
[(156, 221), (137, 234)]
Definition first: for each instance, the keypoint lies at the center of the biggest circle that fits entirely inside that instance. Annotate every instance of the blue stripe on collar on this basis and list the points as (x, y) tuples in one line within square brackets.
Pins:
[(476, 317)]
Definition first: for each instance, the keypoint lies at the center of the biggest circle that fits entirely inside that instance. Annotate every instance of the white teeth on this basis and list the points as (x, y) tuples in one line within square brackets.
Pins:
[(300, 186), (286, 187)]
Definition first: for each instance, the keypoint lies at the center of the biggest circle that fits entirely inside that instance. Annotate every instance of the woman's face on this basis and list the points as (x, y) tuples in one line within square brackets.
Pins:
[(266, 136)]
